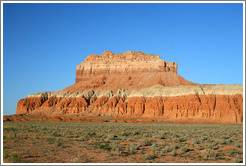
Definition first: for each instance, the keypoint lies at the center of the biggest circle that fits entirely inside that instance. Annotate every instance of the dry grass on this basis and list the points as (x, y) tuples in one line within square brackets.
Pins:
[(90, 142)]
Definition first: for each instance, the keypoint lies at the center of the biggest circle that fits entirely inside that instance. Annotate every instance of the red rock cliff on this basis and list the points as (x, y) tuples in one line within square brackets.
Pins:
[(135, 84)]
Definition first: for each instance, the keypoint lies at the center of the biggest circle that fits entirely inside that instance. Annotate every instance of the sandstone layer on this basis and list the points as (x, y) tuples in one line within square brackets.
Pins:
[(136, 85)]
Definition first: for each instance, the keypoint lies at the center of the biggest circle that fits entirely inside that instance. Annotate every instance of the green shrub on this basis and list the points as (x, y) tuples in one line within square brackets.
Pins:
[(216, 142), (129, 139), (15, 157), (154, 149), (174, 153), (161, 143), (208, 154), (208, 145), (5, 154), (58, 142), (104, 146), (237, 145), (147, 156), (176, 146), (184, 149), (196, 141), (75, 160), (197, 147), (168, 148), (127, 148), (145, 142), (134, 146), (237, 160), (115, 145)]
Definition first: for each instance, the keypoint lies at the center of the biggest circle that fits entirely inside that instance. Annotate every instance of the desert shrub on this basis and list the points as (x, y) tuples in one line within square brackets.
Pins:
[(175, 146), (208, 145), (161, 153), (237, 160), (115, 145), (58, 142), (226, 141), (7, 129), (208, 154), (238, 145), (127, 148), (145, 142), (134, 146), (125, 133), (102, 145), (112, 137), (203, 138), (233, 152), (15, 157), (161, 143), (147, 156), (184, 149), (5, 154), (216, 142), (197, 147), (129, 139), (168, 148), (160, 136), (136, 133), (154, 149), (195, 141), (75, 160), (174, 153)]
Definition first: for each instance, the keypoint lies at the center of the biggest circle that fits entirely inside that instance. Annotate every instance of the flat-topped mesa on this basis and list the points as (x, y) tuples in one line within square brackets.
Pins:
[(130, 62)]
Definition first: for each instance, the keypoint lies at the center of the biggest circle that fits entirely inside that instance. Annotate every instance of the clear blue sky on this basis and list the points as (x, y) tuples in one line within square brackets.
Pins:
[(43, 43)]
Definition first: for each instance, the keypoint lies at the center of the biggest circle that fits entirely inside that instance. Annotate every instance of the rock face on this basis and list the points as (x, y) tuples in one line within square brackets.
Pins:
[(127, 63), (135, 84)]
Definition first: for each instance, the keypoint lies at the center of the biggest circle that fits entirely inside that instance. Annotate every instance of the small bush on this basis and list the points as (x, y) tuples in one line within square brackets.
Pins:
[(216, 142), (15, 157), (197, 147), (237, 160), (5, 154), (209, 145), (147, 156), (127, 148), (115, 145), (129, 139), (58, 142), (184, 149), (103, 146), (168, 148), (154, 149), (174, 153), (75, 160), (237, 145), (145, 142), (208, 154), (161, 143), (196, 141)]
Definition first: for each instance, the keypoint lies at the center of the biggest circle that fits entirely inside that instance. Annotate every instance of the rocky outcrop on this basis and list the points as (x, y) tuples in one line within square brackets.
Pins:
[(221, 103), (127, 63), (139, 85)]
